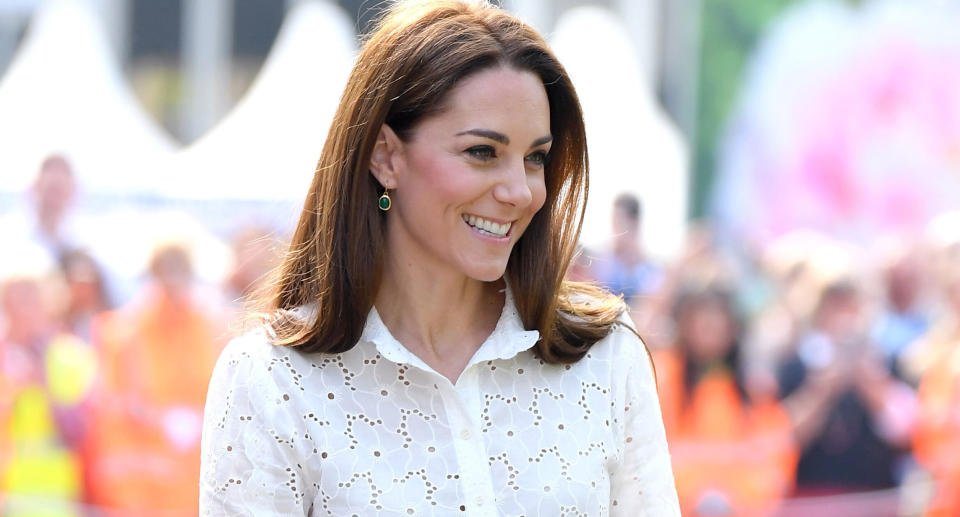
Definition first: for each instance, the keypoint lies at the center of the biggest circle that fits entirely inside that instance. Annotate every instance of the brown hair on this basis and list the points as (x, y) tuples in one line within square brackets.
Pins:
[(417, 54)]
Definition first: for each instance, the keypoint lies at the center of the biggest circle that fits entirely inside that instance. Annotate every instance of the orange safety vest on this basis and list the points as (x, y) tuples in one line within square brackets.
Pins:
[(143, 451), (741, 455), (936, 438)]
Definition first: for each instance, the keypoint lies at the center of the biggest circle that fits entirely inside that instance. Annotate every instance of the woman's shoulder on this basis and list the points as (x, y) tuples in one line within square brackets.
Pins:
[(601, 319), (253, 358), (252, 347), (255, 345), (623, 341), (627, 356)]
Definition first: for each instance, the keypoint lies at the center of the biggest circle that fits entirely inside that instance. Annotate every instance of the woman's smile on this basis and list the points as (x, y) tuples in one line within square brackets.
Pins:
[(488, 227)]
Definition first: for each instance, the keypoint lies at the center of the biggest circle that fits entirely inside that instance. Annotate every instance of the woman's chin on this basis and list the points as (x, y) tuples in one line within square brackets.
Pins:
[(490, 273)]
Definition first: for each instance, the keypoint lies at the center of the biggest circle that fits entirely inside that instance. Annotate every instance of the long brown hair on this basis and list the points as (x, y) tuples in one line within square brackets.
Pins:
[(417, 54)]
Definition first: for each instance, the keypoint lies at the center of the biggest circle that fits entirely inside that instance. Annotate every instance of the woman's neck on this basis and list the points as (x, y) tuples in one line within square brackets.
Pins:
[(441, 317)]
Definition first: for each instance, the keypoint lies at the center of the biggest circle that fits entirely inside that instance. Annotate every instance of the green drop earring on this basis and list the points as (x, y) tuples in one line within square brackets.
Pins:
[(384, 202)]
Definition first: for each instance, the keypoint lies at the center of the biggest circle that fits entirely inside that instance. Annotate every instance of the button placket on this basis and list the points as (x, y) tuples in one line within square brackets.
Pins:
[(468, 444)]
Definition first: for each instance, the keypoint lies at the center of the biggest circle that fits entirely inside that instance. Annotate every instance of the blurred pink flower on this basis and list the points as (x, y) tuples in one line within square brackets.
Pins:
[(869, 139)]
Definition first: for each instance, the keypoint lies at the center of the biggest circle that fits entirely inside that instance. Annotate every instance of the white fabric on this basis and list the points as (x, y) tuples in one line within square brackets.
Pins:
[(376, 431)]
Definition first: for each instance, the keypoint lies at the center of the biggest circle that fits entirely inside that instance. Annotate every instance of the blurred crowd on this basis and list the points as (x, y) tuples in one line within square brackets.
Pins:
[(802, 376), (101, 402)]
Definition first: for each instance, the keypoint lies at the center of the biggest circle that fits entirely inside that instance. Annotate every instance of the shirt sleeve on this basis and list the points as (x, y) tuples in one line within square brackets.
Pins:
[(249, 453), (642, 485)]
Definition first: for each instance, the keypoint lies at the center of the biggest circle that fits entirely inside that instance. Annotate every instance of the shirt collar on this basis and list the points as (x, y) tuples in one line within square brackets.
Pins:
[(508, 338)]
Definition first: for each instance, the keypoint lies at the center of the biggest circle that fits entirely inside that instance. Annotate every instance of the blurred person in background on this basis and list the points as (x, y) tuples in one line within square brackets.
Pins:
[(625, 269), (45, 380), (87, 291), (158, 352), (851, 418), (902, 319), (731, 442), (47, 221), (937, 436), (701, 264), (783, 287), (53, 196)]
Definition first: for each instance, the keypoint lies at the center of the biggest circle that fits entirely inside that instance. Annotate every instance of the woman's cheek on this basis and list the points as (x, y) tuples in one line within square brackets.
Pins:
[(538, 189)]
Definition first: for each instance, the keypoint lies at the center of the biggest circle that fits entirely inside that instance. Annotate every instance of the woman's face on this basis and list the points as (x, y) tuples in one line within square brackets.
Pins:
[(707, 331), (471, 177), (84, 285)]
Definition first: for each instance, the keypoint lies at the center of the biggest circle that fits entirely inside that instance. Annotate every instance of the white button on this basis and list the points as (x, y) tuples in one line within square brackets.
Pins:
[(465, 434), (479, 500)]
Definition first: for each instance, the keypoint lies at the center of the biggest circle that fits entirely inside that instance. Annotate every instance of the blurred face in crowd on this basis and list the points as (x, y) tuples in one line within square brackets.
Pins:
[(626, 229), (26, 311), (470, 179), (904, 284), (623, 221), (172, 271), (840, 315), (53, 191), (84, 283), (707, 329)]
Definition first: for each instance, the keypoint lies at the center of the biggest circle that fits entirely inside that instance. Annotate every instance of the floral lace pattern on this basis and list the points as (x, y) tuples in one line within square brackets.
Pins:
[(375, 430)]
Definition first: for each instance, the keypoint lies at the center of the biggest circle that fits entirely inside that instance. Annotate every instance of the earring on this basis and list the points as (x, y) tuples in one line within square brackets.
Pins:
[(384, 202)]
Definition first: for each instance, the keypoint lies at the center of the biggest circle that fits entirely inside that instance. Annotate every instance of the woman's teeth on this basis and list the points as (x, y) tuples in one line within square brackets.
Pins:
[(487, 227)]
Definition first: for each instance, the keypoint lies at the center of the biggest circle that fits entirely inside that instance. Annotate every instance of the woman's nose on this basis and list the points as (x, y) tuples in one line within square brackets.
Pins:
[(514, 188)]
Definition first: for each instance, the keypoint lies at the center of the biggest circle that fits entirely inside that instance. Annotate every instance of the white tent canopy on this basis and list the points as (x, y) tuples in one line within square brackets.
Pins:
[(633, 145), (266, 148), (65, 93)]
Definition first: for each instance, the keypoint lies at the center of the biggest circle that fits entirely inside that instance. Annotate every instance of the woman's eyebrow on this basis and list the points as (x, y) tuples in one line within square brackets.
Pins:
[(487, 133), (502, 138), (542, 140)]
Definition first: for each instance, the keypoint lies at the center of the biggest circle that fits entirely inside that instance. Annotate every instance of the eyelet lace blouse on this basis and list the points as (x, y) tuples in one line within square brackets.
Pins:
[(375, 431)]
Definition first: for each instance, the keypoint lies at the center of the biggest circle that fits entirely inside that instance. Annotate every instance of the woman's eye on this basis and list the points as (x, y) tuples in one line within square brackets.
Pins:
[(482, 152), (538, 158)]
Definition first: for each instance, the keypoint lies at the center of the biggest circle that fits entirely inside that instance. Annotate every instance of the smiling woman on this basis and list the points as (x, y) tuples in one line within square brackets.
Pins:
[(425, 354), (466, 194)]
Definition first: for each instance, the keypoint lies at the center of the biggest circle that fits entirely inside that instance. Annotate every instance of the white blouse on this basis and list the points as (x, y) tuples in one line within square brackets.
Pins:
[(374, 430)]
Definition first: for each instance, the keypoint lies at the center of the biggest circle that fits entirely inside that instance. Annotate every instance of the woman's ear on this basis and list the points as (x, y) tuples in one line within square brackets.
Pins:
[(385, 160)]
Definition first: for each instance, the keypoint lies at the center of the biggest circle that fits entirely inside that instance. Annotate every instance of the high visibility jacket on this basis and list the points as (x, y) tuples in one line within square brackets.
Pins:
[(727, 452), (40, 475), (937, 433), (144, 448)]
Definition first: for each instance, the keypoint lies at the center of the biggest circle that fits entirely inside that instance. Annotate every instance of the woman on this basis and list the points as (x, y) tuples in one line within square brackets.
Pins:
[(88, 291), (426, 356), (733, 452)]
